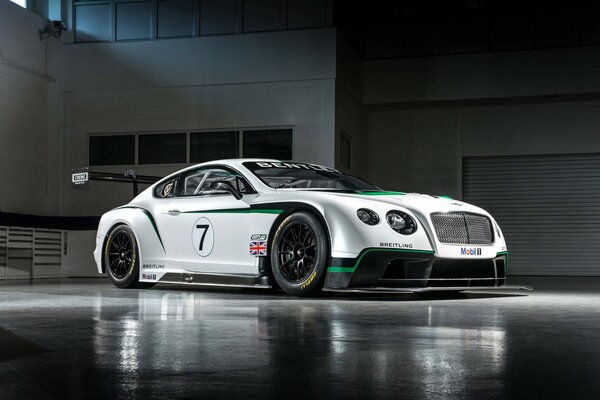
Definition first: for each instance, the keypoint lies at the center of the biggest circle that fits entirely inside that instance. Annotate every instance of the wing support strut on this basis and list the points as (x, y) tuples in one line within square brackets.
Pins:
[(81, 177)]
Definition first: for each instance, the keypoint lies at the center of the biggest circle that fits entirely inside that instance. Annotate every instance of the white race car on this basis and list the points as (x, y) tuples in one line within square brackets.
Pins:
[(302, 227)]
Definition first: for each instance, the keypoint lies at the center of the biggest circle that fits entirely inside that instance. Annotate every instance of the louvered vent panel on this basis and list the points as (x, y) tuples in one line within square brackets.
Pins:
[(19, 253), (547, 206), (47, 253), (3, 240)]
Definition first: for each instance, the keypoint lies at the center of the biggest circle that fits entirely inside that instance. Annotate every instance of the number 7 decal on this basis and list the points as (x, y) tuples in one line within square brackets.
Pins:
[(203, 237), (205, 227)]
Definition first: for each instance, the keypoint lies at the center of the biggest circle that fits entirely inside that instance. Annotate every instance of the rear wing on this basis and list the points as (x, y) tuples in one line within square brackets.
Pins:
[(81, 177)]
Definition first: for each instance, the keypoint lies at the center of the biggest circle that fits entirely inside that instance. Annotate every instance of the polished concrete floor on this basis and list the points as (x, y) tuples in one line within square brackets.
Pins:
[(85, 339)]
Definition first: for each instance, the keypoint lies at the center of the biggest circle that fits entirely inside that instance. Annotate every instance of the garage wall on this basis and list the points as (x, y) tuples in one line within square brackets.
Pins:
[(415, 150), (350, 113), (278, 79), (483, 76), (435, 110), (25, 80), (434, 140)]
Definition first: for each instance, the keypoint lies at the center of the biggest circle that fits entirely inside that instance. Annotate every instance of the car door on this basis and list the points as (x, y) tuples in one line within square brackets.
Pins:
[(208, 230)]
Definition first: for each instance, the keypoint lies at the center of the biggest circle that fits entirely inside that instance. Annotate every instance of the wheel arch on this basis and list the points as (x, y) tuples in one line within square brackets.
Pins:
[(291, 208), (112, 227)]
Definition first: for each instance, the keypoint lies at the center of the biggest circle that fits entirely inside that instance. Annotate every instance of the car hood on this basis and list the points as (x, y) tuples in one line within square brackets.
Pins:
[(423, 204)]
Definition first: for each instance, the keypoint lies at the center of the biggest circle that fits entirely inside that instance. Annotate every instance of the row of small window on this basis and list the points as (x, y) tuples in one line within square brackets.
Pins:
[(130, 20), (522, 28), (172, 148)]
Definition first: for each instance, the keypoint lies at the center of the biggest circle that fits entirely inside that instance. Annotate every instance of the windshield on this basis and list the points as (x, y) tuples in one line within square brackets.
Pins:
[(290, 175)]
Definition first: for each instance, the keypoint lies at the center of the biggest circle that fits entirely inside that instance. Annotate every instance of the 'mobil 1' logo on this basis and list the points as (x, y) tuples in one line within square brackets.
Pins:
[(470, 251)]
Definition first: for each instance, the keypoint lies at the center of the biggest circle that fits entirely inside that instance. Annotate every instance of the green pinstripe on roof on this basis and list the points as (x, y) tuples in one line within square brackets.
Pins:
[(367, 251), (151, 218)]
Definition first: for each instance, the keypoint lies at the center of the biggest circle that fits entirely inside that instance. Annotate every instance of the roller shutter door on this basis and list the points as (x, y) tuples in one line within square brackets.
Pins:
[(547, 206)]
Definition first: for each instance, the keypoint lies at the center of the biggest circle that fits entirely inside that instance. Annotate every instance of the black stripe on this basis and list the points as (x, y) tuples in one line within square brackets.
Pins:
[(50, 222)]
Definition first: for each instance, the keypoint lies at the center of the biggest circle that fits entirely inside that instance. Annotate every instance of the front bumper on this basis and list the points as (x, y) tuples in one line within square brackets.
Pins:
[(400, 270)]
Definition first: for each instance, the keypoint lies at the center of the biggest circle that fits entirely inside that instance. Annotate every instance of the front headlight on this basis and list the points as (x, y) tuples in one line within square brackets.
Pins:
[(367, 216), (401, 222)]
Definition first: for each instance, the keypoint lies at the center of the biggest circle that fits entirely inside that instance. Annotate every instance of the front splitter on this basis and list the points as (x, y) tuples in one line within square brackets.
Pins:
[(428, 289)]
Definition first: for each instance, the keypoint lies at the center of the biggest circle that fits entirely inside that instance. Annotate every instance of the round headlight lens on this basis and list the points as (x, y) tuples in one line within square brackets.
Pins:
[(401, 222), (367, 216), (396, 221)]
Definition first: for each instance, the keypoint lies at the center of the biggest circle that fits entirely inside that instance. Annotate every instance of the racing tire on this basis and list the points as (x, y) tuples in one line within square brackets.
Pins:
[(300, 255), (121, 259)]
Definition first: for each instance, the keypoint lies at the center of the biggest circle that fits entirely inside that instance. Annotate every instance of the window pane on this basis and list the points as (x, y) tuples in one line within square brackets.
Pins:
[(261, 15), (306, 13), (276, 143), (165, 148), (207, 146), (217, 17), (133, 21), (166, 189), (197, 182), (175, 18), (112, 150), (91, 23)]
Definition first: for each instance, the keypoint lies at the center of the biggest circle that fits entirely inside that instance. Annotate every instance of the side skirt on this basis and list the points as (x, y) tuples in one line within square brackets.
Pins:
[(220, 280)]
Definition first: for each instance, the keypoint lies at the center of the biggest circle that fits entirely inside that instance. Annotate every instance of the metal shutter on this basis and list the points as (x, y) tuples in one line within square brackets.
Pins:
[(547, 206)]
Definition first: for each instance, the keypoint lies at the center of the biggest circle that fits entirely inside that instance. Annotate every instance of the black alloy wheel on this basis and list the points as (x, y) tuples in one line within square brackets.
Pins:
[(121, 258), (297, 251), (299, 254)]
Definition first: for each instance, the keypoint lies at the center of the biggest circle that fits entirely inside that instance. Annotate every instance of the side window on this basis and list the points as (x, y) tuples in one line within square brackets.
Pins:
[(166, 189), (197, 182)]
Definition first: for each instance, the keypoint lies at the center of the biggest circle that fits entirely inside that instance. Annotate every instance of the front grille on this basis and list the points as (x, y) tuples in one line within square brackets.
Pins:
[(462, 228)]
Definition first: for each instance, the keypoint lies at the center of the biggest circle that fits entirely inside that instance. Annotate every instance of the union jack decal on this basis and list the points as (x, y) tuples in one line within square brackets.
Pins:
[(258, 248)]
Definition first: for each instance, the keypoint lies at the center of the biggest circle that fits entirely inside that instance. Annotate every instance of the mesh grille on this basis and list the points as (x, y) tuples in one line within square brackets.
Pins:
[(462, 228)]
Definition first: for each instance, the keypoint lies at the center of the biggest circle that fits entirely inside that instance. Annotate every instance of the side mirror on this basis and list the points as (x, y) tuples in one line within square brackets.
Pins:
[(224, 186)]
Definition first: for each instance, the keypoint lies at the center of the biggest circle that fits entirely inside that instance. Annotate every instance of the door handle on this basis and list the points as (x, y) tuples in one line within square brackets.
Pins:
[(174, 212)]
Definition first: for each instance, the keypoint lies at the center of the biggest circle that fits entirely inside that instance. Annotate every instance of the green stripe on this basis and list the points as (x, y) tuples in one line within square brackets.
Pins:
[(236, 211), (381, 193), (504, 253), (151, 218), (446, 197), (365, 252)]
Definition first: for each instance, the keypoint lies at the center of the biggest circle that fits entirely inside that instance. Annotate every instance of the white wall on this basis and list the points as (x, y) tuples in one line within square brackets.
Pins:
[(271, 79), (209, 60), (24, 81), (306, 106)]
